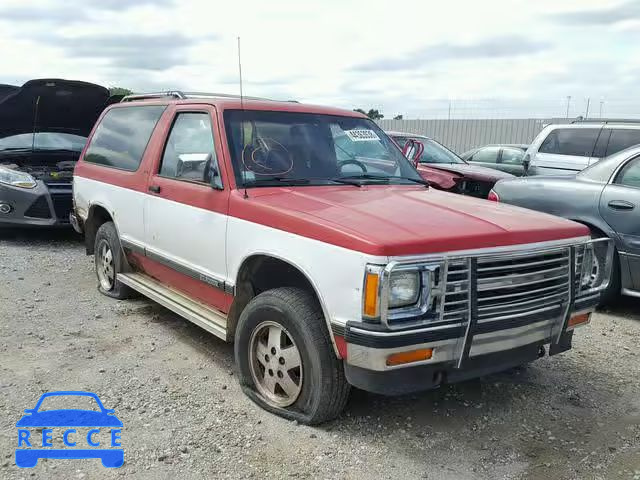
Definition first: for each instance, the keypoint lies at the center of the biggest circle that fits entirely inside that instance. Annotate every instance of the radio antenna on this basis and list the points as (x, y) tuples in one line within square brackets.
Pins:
[(241, 165)]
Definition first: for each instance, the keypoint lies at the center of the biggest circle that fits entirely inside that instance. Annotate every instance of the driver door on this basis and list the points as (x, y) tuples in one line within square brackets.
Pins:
[(186, 208), (620, 208)]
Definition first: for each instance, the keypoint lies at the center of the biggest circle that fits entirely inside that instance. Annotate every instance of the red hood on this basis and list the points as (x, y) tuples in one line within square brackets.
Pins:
[(398, 220)]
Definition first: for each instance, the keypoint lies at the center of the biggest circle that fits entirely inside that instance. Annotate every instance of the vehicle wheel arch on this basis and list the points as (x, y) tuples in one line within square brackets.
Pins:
[(98, 214), (260, 272)]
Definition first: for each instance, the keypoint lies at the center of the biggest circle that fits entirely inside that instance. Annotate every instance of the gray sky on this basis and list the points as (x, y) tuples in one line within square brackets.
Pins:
[(490, 58)]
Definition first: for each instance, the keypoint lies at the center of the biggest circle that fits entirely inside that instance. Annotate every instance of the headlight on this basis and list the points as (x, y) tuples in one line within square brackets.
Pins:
[(404, 289), (16, 178)]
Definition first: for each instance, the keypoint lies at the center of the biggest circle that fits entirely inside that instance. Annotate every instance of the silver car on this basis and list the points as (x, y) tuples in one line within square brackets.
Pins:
[(605, 197)]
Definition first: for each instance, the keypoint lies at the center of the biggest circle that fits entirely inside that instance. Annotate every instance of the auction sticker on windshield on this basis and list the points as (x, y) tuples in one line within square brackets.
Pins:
[(362, 135)]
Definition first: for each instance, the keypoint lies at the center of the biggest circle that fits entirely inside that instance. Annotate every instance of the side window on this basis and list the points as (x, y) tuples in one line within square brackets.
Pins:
[(512, 156), (122, 136), (486, 155), (578, 142), (189, 153), (622, 138), (630, 174)]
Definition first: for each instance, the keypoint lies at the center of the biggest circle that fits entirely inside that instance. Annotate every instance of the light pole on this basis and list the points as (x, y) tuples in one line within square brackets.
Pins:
[(568, 104)]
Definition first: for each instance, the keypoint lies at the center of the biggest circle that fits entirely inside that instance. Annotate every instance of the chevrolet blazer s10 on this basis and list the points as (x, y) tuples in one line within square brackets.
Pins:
[(261, 222)]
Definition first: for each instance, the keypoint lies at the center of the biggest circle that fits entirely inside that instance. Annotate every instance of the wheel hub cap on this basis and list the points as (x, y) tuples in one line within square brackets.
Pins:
[(105, 267), (276, 365)]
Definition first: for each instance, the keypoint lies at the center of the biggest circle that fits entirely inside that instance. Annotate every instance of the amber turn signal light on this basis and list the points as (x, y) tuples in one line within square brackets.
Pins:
[(409, 357), (579, 319), (371, 295)]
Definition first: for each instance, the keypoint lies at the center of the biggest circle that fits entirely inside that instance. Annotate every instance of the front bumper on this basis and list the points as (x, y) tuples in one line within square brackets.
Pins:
[(42, 206), (473, 343)]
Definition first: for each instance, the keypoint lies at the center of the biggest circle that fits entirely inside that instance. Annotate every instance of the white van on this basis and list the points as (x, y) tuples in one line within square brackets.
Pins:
[(567, 149)]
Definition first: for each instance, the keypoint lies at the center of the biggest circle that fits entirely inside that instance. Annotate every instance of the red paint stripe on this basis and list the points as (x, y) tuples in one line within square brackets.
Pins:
[(195, 289)]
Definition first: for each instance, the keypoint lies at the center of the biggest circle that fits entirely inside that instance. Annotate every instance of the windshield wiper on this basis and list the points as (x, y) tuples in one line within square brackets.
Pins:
[(278, 181), (359, 180)]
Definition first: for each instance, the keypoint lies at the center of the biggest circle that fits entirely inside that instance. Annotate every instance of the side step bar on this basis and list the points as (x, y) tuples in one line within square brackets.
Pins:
[(205, 317)]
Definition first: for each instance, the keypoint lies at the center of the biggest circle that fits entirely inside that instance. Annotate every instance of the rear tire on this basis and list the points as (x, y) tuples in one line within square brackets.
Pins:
[(286, 362), (110, 261)]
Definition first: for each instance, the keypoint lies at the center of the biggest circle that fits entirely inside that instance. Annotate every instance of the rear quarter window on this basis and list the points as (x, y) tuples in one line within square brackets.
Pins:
[(122, 136), (578, 142)]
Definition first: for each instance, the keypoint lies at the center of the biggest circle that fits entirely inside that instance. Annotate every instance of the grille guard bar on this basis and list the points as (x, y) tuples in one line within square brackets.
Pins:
[(438, 284)]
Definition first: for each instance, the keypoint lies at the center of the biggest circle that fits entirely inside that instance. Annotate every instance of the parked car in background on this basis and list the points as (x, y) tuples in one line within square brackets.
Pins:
[(43, 127), (567, 149), (327, 264), (605, 197), (445, 170), (508, 158)]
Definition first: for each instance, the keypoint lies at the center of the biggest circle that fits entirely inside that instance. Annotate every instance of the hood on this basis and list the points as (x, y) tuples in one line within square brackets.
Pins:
[(53, 105), (473, 172), (399, 220), (69, 418), (442, 179)]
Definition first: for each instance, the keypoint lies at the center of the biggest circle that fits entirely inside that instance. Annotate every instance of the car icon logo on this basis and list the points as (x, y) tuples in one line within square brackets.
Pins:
[(69, 433)]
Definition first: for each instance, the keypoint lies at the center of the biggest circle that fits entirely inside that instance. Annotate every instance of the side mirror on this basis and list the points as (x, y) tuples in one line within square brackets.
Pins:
[(29, 410), (413, 150)]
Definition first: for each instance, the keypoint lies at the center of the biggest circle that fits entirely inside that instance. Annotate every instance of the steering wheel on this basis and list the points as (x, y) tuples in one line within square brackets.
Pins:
[(353, 161)]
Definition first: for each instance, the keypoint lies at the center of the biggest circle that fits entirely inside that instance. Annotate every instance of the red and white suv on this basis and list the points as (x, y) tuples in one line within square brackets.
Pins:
[(262, 223)]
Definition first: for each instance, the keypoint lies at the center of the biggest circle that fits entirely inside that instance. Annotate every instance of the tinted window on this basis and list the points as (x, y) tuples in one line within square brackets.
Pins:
[(512, 156), (630, 174), (570, 141), (621, 139), (486, 155), (189, 153), (122, 136)]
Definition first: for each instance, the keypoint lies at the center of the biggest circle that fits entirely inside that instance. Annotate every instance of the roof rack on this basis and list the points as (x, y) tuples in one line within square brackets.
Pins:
[(177, 94), (606, 120)]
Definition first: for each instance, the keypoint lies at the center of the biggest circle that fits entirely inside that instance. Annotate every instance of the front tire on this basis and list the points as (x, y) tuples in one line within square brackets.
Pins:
[(110, 261), (285, 358)]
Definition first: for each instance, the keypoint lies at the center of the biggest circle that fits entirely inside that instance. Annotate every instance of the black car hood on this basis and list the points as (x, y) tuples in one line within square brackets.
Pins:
[(472, 171), (51, 105)]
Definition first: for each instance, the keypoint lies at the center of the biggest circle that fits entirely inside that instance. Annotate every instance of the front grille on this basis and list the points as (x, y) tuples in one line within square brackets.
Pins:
[(507, 286), (523, 284), (39, 208), (62, 205)]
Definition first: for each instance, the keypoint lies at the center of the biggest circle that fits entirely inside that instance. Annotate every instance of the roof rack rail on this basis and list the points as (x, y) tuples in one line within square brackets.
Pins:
[(179, 95), (606, 120), (147, 96)]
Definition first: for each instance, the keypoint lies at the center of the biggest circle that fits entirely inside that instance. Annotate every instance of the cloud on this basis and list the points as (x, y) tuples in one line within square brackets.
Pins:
[(70, 11), (604, 16), (496, 47), (131, 51)]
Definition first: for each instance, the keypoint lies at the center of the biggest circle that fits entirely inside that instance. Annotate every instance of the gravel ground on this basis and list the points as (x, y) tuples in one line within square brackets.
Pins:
[(576, 415)]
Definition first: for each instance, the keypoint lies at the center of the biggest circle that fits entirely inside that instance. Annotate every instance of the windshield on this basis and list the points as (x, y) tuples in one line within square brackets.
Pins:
[(270, 148), (436, 153), (433, 151), (43, 141)]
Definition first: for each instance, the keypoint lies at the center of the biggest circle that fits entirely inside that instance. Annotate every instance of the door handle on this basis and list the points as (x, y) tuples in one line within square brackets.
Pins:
[(621, 205), (154, 188)]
